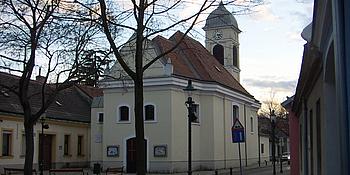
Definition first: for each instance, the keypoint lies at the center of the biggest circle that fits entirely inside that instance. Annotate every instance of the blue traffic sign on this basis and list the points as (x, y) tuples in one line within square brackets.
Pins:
[(237, 132), (237, 135)]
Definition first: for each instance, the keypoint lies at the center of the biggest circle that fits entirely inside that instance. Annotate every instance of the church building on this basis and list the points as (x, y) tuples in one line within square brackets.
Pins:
[(220, 99)]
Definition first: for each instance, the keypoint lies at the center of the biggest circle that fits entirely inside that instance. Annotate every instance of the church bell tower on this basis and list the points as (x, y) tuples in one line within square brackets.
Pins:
[(221, 33)]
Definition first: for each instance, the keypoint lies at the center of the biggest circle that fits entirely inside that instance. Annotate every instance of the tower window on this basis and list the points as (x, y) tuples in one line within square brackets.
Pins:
[(218, 52), (235, 56)]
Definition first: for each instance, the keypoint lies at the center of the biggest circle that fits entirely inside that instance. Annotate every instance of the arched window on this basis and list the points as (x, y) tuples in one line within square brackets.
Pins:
[(196, 112), (124, 113), (149, 113), (218, 52), (235, 113), (235, 56)]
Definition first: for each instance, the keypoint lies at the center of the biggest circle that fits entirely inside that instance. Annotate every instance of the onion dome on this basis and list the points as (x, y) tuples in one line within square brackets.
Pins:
[(220, 17)]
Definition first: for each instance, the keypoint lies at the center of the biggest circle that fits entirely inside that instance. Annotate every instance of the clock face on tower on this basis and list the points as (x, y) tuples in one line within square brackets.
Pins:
[(217, 35)]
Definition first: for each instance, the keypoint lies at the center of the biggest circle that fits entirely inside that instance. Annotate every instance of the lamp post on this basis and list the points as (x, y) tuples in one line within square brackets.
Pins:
[(43, 126), (281, 151), (273, 125), (189, 104)]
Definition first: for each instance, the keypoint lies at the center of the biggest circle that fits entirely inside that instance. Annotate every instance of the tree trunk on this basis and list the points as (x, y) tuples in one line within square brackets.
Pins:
[(28, 164), (139, 128)]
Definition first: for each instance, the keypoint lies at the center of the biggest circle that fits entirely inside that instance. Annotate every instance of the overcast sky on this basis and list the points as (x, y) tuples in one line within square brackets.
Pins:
[(271, 46)]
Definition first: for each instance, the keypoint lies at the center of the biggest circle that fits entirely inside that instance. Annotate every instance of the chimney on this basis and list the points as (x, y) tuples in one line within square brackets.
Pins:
[(40, 78)]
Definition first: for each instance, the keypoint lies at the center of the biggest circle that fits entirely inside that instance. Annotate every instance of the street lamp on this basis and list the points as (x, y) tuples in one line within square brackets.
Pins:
[(191, 117), (43, 126), (273, 125), (281, 151)]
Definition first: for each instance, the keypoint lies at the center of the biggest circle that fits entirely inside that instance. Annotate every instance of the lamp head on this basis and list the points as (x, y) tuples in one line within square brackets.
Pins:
[(43, 117), (189, 88), (273, 116)]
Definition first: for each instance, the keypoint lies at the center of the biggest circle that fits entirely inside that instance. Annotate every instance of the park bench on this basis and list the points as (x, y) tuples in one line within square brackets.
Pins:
[(15, 170), (67, 170), (118, 170)]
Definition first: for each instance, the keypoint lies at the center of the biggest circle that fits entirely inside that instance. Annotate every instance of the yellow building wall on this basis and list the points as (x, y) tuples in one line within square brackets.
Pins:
[(57, 129)]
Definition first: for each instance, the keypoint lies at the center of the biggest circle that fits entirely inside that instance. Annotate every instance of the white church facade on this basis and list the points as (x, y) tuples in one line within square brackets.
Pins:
[(220, 99)]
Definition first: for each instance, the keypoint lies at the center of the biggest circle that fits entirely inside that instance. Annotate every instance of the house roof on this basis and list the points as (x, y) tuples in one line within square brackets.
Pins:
[(90, 91), (192, 60), (70, 103)]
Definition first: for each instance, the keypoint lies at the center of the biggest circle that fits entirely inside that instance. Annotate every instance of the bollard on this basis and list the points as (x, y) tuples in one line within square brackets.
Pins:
[(230, 171)]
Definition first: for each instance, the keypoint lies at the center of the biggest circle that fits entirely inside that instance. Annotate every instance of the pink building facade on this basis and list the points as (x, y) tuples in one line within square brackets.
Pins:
[(293, 136)]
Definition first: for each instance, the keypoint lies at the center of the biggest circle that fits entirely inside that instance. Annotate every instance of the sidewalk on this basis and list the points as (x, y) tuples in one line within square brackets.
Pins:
[(235, 170)]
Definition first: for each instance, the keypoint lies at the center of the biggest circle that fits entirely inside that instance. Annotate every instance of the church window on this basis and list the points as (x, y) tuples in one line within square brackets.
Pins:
[(196, 113), (235, 56), (149, 113), (235, 112), (218, 52), (251, 124), (100, 117), (124, 113)]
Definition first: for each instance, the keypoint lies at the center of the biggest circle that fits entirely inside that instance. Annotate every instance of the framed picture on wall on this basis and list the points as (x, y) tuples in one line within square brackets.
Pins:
[(160, 151), (113, 151)]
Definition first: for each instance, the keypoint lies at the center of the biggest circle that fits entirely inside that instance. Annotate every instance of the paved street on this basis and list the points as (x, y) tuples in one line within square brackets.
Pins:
[(253, 170), (250, 170), (265, 171)]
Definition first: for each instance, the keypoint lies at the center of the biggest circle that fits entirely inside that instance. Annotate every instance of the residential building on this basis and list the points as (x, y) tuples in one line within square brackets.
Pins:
[(65, 142), (294, 136), (264, 140), (219, 98), (281, 137), (322, 98)]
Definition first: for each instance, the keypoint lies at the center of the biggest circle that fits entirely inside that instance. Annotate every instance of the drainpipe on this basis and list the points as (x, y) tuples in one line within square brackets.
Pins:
[(245, 132), (306, 152), (259, 146), (224, 128)]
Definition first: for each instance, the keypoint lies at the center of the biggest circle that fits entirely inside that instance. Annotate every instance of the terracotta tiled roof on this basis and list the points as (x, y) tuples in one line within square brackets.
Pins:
[(192, 60), (69, 105)]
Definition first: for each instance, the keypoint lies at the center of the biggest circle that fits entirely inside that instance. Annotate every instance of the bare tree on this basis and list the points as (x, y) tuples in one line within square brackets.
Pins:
[(145, 19), (270, 105), (52, 34)]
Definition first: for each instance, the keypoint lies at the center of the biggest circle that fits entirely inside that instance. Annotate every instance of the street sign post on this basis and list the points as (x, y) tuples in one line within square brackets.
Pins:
[(238, 137)]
